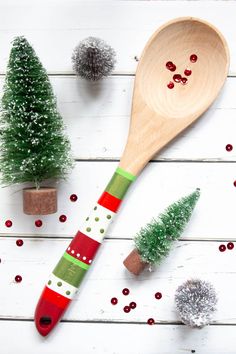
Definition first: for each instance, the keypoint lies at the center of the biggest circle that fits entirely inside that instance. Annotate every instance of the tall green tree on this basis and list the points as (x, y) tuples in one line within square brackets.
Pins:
[(34, 146)]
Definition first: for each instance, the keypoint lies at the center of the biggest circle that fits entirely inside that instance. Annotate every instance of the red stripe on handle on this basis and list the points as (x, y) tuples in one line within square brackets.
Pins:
[(109, 201), (84, 246)]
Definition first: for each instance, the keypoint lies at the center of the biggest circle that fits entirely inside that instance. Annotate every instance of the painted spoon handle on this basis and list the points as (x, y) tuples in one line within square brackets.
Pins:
[(78, 257)]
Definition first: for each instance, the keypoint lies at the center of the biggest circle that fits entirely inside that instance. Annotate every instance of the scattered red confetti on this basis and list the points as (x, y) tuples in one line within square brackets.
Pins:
[(229, 147), (8, 223), (126, 309), (170, 66), (133, 305), (235, 183), (73, 197), (193, 58), (38, 223), (150, 321), (170, 85), (18, 278), (158, 295), (187, 72), (114, 301), (230, 245), (62, 218), (177, 78), (19, 242), (125, 291), (222, 248), (184, 81)]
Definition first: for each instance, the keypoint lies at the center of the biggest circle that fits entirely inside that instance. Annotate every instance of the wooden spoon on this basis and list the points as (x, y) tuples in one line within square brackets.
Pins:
[(158, 115)]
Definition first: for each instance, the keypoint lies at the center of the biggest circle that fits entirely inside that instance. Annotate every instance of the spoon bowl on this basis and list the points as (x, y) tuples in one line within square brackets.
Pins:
[(160, 113)]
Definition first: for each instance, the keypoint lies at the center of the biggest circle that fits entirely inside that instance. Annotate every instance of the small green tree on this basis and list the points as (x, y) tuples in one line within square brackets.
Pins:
[(154, 241), (33, 143)]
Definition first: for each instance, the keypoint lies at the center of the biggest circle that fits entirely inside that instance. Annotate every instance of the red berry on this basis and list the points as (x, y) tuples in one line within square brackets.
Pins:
[(38, 223), (158, 295), (193, 58), (229, 147), (125, 291), (230, 245), (150, 321), (114, 301), (73, 197), (132, 305), (177, 78), (222, 248), (187, 72), (19, 243), (62, 218), (126, 309), (18, 278), (8, 223), (170, 85)]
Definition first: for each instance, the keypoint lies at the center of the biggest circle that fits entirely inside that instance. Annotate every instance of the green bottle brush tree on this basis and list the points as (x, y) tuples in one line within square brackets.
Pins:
[(153, 242), (34, 147)]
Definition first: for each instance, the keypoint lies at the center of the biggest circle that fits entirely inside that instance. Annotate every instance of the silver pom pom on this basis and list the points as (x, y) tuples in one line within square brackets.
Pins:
[(93, 59), (196, 302)]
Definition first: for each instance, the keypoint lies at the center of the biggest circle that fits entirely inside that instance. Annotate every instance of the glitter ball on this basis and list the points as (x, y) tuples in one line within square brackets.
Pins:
[(114, 301), (170, 85), (133, 305), (38, 223), (222, 248), (150, 321), (73, 197), (8, 223), (187, 72), (158, 295), (18, 278), (19, 242), (126, 309), (62, 218), (193, 58), (229, 147), (230, 245), (125, 291)]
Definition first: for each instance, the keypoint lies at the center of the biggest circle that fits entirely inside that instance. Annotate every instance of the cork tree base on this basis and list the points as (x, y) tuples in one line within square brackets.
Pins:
[(134, 263), (41, 201)]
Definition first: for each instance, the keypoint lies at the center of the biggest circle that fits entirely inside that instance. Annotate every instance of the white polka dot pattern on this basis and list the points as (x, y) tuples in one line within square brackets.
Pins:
[(97, 223), (61, 286)]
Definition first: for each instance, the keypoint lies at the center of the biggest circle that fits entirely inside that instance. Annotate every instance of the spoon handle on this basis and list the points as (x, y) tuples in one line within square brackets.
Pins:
[(78, 257)]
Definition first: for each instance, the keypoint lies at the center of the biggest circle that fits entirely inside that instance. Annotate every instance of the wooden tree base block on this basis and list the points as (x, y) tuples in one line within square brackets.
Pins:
[(41, 201), (134, 263)]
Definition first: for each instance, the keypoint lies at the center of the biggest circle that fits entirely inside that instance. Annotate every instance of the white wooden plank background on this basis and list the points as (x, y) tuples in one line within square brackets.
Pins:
[(97, 119)]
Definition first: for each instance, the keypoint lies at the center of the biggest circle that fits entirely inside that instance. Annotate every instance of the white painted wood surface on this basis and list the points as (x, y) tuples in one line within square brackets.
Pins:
[(97, 119)]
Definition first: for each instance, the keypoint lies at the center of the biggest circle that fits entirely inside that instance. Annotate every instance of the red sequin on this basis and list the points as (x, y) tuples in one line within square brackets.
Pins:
[(184, 80), (229, 147), (18, 278), (126, 309), (150, 321), (170, 66), (8, 223), (125, 291), (187, 72), (170, 85), (133, 305), (230, 245), (158, 295), (193, 58), (73, 197), (235, 183), (62, 218), (19, 242), (222, 248), (114, 301), (38, 223), (177, 78)]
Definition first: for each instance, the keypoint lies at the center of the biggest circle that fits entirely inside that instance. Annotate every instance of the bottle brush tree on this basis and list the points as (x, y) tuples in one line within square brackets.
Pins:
[(34, 146), (153, 242)]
